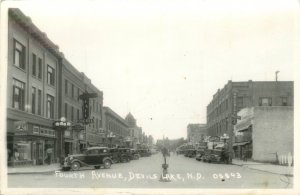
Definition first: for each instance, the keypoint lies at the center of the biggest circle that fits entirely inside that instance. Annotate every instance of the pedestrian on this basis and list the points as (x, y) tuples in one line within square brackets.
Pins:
[(16, 154), (49, 155)]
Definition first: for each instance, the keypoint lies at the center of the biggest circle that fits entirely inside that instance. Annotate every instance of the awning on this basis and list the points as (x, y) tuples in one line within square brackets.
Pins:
[(240, 143), (243, 125)]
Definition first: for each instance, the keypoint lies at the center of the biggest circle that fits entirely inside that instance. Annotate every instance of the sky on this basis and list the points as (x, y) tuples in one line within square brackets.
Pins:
[(163, 60)]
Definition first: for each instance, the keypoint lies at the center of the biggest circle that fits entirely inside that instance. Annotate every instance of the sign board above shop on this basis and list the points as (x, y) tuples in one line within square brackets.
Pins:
[(20, 126)]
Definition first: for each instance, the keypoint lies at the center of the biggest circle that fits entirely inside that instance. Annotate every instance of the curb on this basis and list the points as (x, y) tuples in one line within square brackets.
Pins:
[(32, 172), (288, 175)]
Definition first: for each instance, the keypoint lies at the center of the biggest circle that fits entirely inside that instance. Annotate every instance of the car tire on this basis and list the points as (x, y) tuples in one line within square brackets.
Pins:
[(97, 167), (75, 166), (107, 164)]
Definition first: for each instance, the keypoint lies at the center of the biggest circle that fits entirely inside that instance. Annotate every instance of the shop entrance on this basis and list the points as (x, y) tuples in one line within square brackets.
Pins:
[(68, 148), (40, 153)]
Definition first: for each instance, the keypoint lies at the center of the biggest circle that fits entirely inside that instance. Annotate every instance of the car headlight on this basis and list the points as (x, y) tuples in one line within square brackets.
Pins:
[(71, 158)]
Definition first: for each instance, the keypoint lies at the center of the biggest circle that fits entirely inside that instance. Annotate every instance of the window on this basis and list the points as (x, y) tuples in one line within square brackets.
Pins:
[(239, 103), (265, 101), (66, 110), (18, 95), (73, 90), (78, 93), (19, 55), (33, 64), (72, 113), (33, 100), (77, 114), (40, 69), (39, 102), (284, 101), (50, 75), (66, 87), (50, 106)]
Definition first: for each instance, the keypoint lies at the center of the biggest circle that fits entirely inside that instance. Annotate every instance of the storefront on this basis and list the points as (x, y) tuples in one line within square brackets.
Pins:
[(30, 144)]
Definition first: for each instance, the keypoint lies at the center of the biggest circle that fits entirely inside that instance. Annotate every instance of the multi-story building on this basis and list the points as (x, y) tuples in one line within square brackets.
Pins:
[(32, 91), (116, 129), (196, 132), (43, 87), (222, 110), (135, 131), (74, 84)]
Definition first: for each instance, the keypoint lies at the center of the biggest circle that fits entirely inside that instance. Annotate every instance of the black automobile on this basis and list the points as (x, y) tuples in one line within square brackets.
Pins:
[(120, 155), (144, 152), (135, 154), (191, 153), (90, 157)]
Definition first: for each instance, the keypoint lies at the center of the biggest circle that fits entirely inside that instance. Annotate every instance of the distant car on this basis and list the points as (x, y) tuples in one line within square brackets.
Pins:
[(90, 157), (144, 152), (191, 153), (120, 155), (199, 154), (135, 154)]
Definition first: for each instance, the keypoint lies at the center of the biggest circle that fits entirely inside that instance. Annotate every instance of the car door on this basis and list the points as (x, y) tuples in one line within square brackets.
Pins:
[(91, 158), (102, 154)]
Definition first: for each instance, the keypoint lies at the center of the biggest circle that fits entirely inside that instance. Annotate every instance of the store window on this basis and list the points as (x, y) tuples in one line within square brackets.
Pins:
[(50, 106), (266, 101), (18, 95), (19, 59), (22, 151)]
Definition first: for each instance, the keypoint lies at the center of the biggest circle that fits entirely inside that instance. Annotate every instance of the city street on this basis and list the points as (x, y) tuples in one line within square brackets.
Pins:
[(145, 173)]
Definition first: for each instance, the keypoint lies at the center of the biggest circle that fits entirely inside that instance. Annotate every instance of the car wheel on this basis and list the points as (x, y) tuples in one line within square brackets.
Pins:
[(75, 166), (107, 164), (97, 167)]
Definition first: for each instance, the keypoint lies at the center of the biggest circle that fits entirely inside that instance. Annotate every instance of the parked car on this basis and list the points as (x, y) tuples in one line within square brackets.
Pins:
[(144, 152), (120, 155), (135, 154), (90, 157), (191, 153), (199, 153)]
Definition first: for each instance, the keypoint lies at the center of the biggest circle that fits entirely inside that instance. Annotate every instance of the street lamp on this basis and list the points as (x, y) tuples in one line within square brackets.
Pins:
[(61, 125), (110, 136), (226, 137)]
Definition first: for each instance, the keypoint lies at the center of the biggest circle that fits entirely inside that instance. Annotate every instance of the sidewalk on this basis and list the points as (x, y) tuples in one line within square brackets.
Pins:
[(34, 169), (270, 168)]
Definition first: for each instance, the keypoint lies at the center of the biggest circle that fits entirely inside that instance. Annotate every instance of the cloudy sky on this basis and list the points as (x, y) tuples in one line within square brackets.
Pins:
[(163, 60)]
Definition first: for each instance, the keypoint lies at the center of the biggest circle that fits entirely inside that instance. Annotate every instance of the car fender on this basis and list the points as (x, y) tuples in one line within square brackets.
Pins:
[(107, 158), (79, 161)]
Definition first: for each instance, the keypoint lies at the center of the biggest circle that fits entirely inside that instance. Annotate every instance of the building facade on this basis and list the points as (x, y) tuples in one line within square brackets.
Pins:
[(264, 133), (116, 128), (32, 92), (196, 133), (135, 131), (222, 110), (43, 87)]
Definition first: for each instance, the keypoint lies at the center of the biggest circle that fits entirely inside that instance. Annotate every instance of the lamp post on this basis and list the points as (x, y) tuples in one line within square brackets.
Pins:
[(110, 137), (226, 137), (61, 125)]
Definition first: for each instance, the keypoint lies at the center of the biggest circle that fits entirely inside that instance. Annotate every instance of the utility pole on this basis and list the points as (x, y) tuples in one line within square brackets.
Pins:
[(276, 73)]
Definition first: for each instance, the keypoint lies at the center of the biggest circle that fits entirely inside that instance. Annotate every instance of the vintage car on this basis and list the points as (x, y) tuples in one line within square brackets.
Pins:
[(90, 157), (215, 155), (191, 153), (135, 154), (120, 155), (144, 152), (199, 153)]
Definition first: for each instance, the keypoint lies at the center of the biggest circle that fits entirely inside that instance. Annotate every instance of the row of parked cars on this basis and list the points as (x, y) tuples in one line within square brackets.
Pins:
[(208, 155), (98, 157)]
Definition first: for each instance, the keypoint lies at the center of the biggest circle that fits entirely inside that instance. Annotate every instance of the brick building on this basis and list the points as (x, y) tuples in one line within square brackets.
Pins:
[(116, 125), (223, 108), (32, 91), (135, 131), (42, 87), (196, 132)]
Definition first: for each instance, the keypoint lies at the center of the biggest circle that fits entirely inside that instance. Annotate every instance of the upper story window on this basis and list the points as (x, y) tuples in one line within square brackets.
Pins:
[(33, 94), (73, 91), (50, 106), (40, 68), (66, 87), (39, 102), (266, 101), (19, 59), (284, 101), (18, 95), (66, 110), (33, 64), (50, 75)]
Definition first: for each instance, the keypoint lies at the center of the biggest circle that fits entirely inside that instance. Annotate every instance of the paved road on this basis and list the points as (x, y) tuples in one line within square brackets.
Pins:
[(145, 173)]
